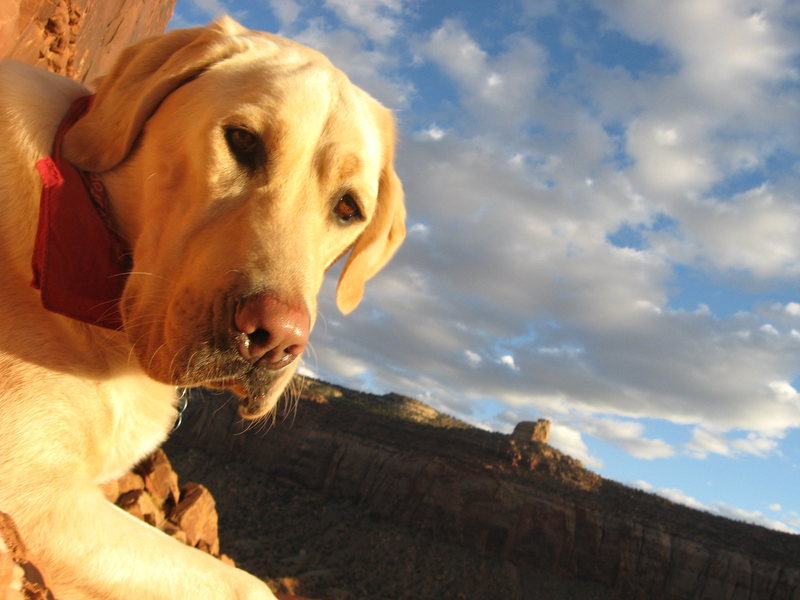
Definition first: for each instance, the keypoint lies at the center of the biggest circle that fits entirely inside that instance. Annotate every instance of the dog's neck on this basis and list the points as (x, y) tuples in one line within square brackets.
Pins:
[(79, 262)]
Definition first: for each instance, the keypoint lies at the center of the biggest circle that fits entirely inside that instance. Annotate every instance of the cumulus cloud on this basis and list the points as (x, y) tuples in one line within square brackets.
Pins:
[(367, 68), (629, 436), (286, 11), (717, 119), (727, 49), (211, 8), (569, 441), (752, 516), (499, 89), (508, 360), (720, 508), (378, 19), (704, 443), (473, 358)]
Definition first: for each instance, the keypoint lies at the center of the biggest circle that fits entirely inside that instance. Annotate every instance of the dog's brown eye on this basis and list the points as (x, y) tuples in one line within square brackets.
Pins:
[(347, 209), (246, 146)]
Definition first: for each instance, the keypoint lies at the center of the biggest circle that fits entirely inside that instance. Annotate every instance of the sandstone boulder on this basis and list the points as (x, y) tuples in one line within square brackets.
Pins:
[(159, 478), (529, 431), (196, 514), (150, 493)]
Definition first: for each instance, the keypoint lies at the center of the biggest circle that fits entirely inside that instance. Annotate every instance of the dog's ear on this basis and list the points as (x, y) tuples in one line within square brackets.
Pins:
[(382, 237), (141, 78)]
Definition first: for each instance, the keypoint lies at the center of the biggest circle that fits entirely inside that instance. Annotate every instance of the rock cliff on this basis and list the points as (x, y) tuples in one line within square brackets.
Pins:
[(502, 496), (77, 38)]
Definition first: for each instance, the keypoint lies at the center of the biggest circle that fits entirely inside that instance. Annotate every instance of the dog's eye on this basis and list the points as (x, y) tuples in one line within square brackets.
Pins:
[(347, 209), (246, 146)]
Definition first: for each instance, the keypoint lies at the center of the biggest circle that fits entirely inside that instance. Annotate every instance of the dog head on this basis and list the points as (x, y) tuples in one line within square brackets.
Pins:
[(240, 167)]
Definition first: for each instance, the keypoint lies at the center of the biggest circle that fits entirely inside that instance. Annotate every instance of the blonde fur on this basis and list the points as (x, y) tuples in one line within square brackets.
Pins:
[(79, 405)]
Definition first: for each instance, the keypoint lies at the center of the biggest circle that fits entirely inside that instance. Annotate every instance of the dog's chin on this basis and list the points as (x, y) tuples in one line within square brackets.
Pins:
[(255, 399), (258, 389)]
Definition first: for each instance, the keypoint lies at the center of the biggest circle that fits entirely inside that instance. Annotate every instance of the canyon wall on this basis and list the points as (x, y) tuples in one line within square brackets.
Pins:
[(489, 492)]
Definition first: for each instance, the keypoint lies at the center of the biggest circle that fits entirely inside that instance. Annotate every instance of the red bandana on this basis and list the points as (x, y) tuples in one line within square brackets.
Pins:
[(79, 262)]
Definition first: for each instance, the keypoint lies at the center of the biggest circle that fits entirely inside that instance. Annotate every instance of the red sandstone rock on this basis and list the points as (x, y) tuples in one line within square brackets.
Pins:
[(529, 431), (159, 478), (19, 578), (77, 38), (151, 494), (130, 481), (196, 514), (142, 506)]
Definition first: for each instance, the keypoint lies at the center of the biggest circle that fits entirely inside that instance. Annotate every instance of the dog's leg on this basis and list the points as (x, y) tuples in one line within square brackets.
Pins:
[(90, 549), (58, 436)]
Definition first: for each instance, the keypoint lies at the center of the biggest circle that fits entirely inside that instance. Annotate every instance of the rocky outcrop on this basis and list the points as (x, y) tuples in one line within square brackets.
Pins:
[(517, 500), (532, 431), (77, 38), (150, 492)]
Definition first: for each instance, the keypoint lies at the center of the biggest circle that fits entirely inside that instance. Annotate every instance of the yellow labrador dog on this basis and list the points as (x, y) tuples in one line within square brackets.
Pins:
[(171, 230)]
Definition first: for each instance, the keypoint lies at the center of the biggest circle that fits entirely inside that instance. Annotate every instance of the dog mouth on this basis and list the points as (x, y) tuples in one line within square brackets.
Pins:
[(257, 387)]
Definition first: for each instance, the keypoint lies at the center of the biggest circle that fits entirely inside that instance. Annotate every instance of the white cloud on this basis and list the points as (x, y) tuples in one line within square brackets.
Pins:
[(286, 11), (718, 115), (366, 67), (499, 89), (680, 497), (755, 444), (705, 442), (570, 442), (305, 371), (720, 508), (345, 367), (378, 19), (757, 230), (775, 507), (452, 48), (419, 230), (473, 358), (508, 360), (751, 516), (670, 158), (727, 49), (211, 8), (793, 309), (629, 436), (434, 132)]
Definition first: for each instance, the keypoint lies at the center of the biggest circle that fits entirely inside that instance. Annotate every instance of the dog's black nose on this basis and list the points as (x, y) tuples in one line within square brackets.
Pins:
[(272, 331)]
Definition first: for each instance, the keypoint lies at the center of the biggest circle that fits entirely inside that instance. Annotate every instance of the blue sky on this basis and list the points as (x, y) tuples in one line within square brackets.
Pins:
[(604, 228)]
